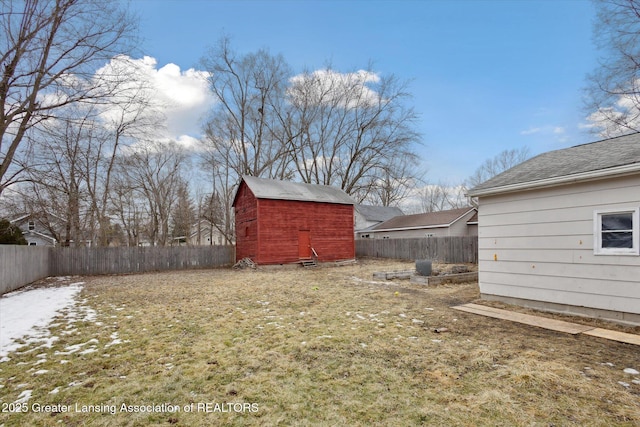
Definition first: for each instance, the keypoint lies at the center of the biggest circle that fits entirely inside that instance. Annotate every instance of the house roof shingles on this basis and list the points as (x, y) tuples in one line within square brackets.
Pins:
[(580, 159), (424, 220), (286, 190)]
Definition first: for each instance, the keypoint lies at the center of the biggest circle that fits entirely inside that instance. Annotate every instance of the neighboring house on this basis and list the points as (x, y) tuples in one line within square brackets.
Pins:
[(280, 222), (368, 216), (561, 231), (202, 233), (454, 222), (33, 231)]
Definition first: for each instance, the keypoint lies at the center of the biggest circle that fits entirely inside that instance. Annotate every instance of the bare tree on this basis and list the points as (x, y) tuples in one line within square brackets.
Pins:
[(496, 165), (58, 177), (153, 171), (441, 196), (49, 51), (613, 93), (349, 129), (395, 182), (246, 88), (216, 207), (74, 155)]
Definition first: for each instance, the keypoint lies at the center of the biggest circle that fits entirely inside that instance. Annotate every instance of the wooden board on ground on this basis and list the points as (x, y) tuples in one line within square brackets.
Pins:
[(527, 319), (614, 335)]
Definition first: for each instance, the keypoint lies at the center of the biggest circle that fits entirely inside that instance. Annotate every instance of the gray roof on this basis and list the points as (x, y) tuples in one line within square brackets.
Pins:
[(424, 220), (287, 190), (554, 165), (378, 213)]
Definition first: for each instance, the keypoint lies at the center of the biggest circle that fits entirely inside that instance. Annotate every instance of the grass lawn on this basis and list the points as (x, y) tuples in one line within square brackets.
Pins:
[(327, 346)]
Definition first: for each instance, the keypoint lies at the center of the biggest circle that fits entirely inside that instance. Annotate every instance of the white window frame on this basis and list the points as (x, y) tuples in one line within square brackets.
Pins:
[(31, 225), (597, 232)]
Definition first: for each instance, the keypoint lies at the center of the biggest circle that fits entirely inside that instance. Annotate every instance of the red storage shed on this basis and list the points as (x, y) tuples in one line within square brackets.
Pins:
[(280, 222)]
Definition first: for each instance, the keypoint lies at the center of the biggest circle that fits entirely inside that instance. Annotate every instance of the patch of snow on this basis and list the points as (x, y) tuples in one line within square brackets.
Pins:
[(26, 314), (24, 397), (623, 384), (55, 390), (41, 372), (76, 347), (631, 371)]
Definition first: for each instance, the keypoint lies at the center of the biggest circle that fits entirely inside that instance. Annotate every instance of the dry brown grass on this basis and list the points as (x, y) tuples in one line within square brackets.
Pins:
[(329, 346)]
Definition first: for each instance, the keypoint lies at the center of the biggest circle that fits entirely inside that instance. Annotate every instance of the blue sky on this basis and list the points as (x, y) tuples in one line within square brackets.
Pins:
[(485, 75)]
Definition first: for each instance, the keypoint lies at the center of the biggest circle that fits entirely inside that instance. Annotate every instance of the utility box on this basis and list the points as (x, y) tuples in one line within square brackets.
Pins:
[(423, 267)]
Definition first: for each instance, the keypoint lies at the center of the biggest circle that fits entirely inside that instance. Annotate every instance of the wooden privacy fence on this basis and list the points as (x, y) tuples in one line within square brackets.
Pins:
[(120, 260), (21, 265), (462, 249)]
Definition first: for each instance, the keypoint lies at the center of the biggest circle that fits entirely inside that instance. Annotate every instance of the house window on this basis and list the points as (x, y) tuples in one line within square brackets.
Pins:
[(32, 243), (32, 225), (616, 232)]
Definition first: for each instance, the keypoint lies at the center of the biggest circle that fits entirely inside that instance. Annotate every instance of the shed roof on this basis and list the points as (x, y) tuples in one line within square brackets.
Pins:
[(423, 220), (378, 213), (287, 190), (609, 157)]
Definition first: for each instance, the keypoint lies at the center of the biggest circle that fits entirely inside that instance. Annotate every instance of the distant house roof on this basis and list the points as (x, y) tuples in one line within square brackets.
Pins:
[(609, 157), (20, 218), (378, 213), (424, 220), (473, 219), (287, 190)]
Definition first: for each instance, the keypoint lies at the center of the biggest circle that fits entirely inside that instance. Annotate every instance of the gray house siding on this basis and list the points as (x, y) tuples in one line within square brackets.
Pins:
[(536, 248)]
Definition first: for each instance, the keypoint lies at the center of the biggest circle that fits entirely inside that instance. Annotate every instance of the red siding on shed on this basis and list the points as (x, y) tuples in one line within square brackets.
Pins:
[(274, 225), (246, 213)]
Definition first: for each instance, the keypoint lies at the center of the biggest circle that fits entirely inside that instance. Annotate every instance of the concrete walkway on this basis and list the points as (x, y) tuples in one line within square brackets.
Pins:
[(552, 324)]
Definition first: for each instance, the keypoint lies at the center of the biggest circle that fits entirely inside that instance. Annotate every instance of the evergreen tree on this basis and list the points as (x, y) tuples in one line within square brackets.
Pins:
[(10, 234)]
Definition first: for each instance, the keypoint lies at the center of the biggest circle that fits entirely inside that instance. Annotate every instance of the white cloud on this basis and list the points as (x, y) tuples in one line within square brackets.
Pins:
[(552, 132), (530, 131), (187, 98), (182, 97)]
